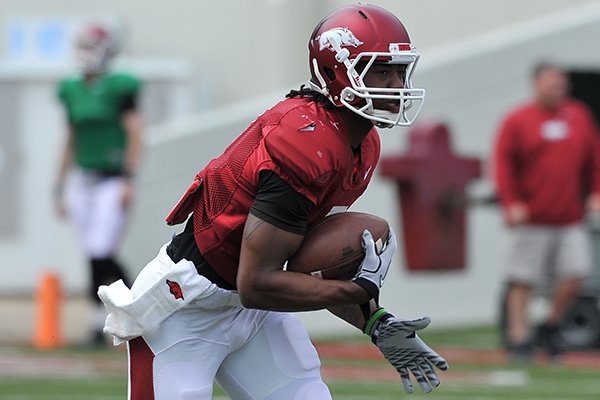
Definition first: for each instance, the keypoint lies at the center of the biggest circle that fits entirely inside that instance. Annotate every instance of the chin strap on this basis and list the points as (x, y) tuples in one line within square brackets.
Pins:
[(323, 88)]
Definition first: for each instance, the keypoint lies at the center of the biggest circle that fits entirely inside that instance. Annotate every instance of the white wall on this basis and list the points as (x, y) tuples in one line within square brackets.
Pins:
[(241, 48)]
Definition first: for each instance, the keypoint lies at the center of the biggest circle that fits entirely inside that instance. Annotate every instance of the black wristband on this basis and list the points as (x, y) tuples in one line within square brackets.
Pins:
[(371, 327), (128, 174), (375, 332), (378, 317), (369, 287)]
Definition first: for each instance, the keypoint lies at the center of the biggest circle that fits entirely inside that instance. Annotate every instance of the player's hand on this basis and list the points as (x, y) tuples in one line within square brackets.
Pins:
[(404, 349), (593, 203), (374, 268), (60, 209), (517, 214)]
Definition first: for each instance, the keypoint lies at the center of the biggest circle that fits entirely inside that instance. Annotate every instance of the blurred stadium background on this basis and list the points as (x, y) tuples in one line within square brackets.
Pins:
[(210, 67)]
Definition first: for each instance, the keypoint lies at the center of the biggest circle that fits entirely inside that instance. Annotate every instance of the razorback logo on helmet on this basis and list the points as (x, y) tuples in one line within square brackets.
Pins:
[(175, 290), (340, 36)]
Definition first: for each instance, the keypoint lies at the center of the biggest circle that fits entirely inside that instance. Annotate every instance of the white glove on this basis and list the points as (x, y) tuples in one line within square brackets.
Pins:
[(372, 271), (405, 350)]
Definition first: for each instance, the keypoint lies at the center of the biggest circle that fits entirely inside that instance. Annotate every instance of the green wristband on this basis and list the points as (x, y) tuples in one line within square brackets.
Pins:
[(374, 318)]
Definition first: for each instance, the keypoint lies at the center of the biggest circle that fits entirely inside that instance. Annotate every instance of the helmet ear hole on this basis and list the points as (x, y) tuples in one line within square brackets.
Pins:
[(329, 73)]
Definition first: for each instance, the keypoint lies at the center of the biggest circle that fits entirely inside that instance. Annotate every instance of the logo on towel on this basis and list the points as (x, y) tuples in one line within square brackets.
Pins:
[(175, 290)]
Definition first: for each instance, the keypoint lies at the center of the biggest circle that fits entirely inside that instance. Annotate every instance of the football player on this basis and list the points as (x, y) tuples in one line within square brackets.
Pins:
[(250, 207), (100, 157)]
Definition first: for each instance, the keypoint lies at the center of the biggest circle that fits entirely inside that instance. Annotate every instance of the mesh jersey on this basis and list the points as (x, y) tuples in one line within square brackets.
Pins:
[(94, 111), (305, 145)]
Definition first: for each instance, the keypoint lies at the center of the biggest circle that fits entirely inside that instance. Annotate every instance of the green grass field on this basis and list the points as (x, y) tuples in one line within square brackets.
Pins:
[(72, 373)]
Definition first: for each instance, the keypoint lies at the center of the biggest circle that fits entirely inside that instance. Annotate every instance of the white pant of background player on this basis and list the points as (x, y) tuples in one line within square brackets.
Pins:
[(252, 354), (95, 207)]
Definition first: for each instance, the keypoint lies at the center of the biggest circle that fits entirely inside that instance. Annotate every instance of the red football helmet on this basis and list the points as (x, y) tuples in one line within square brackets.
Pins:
[(95, 47), (361, 35)]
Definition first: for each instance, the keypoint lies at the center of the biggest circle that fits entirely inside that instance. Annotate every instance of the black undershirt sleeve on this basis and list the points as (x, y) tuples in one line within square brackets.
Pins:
[(279, 204), (129, 103)]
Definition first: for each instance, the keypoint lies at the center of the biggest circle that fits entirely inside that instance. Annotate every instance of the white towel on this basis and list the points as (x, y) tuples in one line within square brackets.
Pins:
[(174, 287)]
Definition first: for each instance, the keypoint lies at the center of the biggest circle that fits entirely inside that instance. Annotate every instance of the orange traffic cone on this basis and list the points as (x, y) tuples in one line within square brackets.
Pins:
[(48, 301)]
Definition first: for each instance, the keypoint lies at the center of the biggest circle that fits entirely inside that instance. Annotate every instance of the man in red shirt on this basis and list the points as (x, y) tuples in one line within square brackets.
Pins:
[(215, 303), (547, 155)]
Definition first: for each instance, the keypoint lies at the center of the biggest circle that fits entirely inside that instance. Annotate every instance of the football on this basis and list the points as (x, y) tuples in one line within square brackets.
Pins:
[(332, 248)]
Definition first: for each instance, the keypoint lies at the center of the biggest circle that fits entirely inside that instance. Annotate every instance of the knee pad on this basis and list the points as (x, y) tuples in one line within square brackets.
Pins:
[(200, 394), (302, 390), (292, 349), (289, 364), (183, 380)]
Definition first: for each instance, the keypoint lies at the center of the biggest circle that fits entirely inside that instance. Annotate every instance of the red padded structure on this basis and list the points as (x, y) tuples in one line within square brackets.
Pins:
[(431, 181)]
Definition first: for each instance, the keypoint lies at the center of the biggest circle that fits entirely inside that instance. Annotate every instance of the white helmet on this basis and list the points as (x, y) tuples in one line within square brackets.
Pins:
[(95, 47)]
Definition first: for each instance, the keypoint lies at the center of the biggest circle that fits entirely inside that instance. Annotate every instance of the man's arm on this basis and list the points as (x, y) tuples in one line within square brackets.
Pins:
[(63, 167), (505, 175), (132, 122), (262, 282), (274, 230), (133, 127), (354, 314), (592, 173)]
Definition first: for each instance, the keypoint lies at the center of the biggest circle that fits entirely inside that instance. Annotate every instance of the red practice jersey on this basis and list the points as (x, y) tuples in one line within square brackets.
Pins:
[(547, 159), (301, 141)]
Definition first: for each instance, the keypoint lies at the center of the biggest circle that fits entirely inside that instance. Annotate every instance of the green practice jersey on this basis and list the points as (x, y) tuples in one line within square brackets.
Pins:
[(95, 112)]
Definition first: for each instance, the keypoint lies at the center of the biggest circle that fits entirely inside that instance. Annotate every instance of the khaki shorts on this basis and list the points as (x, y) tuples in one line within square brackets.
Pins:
[(537, 253)]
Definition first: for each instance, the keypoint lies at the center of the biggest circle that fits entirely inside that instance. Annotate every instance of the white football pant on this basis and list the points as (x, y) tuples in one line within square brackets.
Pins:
[(252, 354), (94, 206)]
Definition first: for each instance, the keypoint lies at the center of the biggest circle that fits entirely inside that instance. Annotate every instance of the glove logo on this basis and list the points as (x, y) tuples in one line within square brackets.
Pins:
[(175, 290)]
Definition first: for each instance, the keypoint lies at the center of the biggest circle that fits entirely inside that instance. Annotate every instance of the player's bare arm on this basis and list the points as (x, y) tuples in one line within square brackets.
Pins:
[(353, 313), (132, 122), (67, 156), (65, 164), (262, 282)]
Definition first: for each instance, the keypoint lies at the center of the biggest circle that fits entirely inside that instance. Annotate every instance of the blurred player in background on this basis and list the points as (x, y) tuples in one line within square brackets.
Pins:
[(547, 156), (216, 302), (94, 187)]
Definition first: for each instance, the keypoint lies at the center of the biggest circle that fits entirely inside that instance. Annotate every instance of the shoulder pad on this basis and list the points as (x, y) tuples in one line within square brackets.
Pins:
[(63, 86), (305, 147), (126, 82)]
